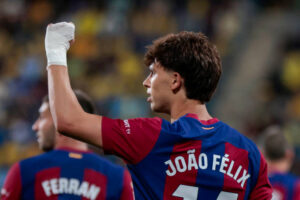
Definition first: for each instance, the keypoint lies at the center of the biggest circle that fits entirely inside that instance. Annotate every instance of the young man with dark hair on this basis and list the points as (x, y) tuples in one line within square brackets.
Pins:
[(280, 156), (195, 156), (67, 170)]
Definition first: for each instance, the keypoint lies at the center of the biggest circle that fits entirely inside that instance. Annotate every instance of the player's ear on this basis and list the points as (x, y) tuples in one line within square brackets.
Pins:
[(177, 81)]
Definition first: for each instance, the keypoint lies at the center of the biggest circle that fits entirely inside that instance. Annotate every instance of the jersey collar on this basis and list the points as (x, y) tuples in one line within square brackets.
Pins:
[(73, 150), (204, 122)]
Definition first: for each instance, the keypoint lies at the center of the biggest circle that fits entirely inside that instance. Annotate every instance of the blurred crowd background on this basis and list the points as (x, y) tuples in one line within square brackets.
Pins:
[(258, 40)]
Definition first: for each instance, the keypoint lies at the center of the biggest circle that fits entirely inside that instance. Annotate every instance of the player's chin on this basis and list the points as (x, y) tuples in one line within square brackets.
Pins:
[(156, 108), (152, 106)]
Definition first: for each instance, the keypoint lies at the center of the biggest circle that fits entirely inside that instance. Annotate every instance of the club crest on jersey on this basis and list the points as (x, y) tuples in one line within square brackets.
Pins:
[(219, 163), (73, 186)]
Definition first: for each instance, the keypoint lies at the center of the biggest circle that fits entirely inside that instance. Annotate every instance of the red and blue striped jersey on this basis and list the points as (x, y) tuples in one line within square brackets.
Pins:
[(285, 186), (67, 174), (187, 159)]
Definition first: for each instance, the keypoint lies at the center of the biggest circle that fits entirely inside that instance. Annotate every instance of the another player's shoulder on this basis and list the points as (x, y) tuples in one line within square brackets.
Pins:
[(36, 159), (14, 169), (25, 166)]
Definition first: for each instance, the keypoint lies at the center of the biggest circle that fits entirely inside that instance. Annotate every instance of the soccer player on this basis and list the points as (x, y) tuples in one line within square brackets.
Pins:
[(195, 156), (67, 170), (280, 156)]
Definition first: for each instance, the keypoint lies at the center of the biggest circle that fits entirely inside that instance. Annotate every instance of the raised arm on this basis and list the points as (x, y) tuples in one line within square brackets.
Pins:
[(68, 116)]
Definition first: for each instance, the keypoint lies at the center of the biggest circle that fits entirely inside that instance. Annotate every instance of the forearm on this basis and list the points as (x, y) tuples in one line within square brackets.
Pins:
[(63, 103), (68, 116)]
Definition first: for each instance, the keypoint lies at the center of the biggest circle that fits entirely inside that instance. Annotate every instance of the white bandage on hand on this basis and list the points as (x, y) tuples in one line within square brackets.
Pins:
[(57, 42)]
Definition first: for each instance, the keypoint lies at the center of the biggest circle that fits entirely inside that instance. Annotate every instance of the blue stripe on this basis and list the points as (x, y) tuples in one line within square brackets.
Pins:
[(75, 169)]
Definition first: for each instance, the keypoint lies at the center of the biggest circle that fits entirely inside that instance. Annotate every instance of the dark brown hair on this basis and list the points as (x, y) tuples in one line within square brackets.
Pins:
[(275, 143), (193, 57), (83, 99)]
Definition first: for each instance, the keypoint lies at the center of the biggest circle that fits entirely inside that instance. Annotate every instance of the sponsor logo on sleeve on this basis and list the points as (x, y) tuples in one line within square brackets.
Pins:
[(127, 126)]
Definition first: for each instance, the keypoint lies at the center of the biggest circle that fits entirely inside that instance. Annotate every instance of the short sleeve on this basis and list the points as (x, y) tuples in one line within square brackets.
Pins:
[(127, 191), (263, 188), (130, 139), (12, 185)]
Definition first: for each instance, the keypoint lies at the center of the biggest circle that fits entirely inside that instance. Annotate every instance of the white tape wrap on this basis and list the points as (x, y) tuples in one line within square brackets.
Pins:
[(57, 42)]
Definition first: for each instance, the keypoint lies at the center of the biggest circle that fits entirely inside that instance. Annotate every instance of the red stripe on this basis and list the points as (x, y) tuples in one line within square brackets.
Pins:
[(127, 191), (297, 191), (279, 191), (97, 179), (189, 176), (45, 176), (12, 187), (240, 158)]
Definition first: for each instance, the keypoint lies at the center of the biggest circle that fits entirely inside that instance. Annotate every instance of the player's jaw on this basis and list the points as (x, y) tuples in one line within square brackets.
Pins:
[(44, 128), (46, 140), (158, 99)]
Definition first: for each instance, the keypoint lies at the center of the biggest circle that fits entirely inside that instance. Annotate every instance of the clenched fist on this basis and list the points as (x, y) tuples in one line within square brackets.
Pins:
[(57, 42)]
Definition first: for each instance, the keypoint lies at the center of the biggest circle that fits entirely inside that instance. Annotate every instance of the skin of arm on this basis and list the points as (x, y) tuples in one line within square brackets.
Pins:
[(68, 116)]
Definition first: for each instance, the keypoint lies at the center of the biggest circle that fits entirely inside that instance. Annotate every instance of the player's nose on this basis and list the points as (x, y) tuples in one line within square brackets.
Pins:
[(35, 126), (146, 82)]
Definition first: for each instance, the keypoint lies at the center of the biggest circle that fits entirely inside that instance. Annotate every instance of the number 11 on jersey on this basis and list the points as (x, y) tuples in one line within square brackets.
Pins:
[(188, 192)]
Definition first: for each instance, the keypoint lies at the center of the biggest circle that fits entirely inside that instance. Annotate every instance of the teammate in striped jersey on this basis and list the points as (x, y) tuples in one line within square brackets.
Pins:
[(280, 156), (67, 170)]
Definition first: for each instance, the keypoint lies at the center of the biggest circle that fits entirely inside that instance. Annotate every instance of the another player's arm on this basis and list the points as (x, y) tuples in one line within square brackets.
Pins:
[(69, 118), (12, 187)]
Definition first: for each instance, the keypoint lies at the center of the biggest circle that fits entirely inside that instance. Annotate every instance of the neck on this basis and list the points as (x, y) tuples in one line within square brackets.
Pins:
[(280, 166), (185, 106), (63, 141)]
